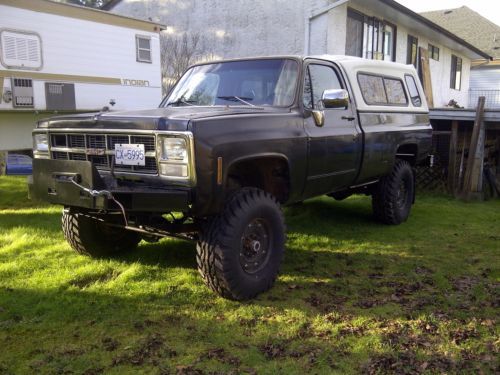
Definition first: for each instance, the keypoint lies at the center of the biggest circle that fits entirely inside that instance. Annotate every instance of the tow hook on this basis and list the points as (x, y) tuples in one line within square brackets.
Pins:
[(100, 193)]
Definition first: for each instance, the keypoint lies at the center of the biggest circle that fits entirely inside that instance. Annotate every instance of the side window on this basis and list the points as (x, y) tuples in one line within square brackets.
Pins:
[(143, 48), (378, 90), (395, 91), (413, 91), (372, 88), (318, 79)]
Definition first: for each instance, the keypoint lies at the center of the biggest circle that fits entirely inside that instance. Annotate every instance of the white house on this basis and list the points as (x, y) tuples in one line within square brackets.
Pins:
[(57, 58), (485, 74), (375, 29)]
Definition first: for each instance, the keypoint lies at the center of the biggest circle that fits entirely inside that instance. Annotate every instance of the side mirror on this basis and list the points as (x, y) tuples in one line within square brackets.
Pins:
[(335, 99)]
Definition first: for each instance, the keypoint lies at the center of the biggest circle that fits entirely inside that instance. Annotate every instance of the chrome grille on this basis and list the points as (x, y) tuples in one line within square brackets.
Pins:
[(96, 141), (76, 141), (59, 155), (100, 149), (148, 142), (116, 140)]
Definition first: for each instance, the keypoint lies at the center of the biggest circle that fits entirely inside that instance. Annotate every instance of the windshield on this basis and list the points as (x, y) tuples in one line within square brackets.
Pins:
[(248, 83)]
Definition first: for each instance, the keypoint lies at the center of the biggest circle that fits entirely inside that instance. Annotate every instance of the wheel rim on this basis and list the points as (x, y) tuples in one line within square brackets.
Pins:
[(402, 194), (255, 246)]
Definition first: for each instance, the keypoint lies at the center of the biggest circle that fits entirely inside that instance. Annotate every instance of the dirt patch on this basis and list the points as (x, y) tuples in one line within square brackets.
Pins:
[(352, 330), (407, 363), (109, 344), (459, 335), (150, 350), (187, 370), (273, 350), (220, 355)]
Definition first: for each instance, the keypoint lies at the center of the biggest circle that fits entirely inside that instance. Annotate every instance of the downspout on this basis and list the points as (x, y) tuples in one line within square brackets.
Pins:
[(315, 15)]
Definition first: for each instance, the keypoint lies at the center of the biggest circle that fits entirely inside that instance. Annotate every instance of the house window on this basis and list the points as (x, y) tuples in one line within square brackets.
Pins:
[(20, 50), (378, 90), (354, 39), (143, 46), (389, 44), (411, 57), (456, 72), (433, 52), (370, 37)]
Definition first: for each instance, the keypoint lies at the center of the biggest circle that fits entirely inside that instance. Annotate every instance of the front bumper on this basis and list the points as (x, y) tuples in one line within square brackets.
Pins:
[(52, 183)]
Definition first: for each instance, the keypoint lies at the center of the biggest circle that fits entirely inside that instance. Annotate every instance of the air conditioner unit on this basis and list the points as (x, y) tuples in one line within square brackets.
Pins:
[(22, 93)]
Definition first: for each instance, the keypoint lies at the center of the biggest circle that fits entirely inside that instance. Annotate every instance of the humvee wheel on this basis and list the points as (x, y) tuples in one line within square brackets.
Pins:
[(88, 236), (393, 195), (240, 251)]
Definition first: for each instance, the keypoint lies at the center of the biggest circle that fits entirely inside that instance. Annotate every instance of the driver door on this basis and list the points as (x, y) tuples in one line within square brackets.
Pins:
[(334, 149)]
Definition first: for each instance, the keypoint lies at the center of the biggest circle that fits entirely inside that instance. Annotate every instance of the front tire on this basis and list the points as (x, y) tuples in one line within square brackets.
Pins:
[(90, 237), (239, 252), (393, 195)]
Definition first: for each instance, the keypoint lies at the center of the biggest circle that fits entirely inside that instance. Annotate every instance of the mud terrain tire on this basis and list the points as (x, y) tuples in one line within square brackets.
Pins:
[(239, 251), (90, 237)]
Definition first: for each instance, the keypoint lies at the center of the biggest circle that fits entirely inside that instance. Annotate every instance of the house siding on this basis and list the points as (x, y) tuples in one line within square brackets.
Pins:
[(440, 70), (280, 27), (485, 81)]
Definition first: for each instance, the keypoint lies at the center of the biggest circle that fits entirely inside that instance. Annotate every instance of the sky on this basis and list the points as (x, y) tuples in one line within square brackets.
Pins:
[(487, 8)]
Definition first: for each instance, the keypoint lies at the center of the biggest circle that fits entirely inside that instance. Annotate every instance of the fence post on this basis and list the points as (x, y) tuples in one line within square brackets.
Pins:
[(452, 162), (3, 162), (474, 171)]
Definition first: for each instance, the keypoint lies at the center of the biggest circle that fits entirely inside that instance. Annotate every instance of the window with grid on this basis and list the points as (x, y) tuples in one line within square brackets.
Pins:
[(143, 48)]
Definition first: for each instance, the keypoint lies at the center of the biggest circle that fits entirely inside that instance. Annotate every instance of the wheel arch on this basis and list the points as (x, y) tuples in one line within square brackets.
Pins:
[(407, 151), (267, 171)]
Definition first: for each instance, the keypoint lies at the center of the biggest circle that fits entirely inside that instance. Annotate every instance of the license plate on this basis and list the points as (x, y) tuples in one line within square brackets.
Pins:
[(130, 154)]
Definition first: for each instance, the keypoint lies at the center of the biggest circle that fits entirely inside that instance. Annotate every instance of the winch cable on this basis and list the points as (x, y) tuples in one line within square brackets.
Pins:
[(106, 193)]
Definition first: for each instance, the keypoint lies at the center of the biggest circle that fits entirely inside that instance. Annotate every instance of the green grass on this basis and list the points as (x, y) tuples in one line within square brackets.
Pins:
[(353, 296)]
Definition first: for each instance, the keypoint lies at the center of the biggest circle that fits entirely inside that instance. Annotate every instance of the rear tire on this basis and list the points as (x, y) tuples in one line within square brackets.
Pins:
[(239, 252), (393, 195), (90, 237)]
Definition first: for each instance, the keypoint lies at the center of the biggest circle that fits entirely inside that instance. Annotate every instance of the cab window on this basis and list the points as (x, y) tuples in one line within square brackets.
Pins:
[(318, 78)]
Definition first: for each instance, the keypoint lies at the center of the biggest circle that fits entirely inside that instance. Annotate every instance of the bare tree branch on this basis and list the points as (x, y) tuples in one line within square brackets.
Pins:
[(178, 52)]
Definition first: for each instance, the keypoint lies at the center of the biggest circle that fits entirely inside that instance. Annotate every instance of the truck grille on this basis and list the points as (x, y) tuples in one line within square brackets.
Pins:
[(100, 149)]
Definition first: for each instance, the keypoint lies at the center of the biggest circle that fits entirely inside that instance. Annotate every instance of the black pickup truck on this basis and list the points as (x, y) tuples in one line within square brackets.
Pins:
[(232, 142)]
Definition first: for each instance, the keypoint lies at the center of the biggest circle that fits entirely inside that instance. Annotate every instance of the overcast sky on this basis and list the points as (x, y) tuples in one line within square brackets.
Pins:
[(487, 8)]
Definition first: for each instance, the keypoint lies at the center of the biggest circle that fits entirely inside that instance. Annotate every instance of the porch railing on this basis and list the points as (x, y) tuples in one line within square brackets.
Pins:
[(492, 98)]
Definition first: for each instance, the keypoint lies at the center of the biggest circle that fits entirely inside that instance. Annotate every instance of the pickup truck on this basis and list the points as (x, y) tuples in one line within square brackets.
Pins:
[(230, 144)]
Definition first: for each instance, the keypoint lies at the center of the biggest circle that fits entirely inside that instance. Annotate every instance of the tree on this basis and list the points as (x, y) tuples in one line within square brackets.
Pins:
[(178, 52)]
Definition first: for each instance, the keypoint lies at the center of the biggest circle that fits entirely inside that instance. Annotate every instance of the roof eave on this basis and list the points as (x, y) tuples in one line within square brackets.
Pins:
[(436, 27)]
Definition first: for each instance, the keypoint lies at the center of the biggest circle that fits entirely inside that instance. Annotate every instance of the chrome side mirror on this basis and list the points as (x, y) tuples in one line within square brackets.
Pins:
[(335, 99)]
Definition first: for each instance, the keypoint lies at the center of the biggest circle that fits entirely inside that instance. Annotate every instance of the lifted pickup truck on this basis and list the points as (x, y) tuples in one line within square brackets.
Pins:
[(232, 142)]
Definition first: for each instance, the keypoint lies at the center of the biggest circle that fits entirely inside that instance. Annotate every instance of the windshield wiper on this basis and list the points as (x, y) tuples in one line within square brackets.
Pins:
[(180, 101), (234, 98)]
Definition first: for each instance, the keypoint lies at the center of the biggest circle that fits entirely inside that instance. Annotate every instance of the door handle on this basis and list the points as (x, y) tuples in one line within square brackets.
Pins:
[(348, 118)]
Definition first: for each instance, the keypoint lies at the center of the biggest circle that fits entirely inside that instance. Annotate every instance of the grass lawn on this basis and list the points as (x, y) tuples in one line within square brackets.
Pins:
[(353, 296)]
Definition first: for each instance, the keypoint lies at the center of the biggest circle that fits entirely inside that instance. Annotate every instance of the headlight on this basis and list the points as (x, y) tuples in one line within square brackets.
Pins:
[(174, 149), (174, 160), (40, 146)]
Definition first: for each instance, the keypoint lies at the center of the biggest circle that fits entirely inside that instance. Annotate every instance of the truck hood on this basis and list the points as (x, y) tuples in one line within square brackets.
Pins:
[(171, 118)]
